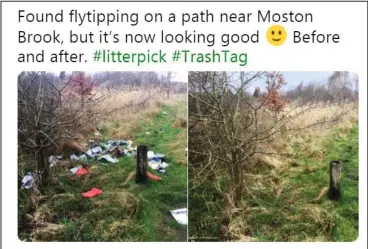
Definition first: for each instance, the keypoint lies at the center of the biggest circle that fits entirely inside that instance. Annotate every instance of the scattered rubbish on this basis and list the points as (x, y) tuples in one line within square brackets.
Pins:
[(161, 170), (130, 142), (75, 169), (54, 159), (27, 181), (124, 142), (89, 153), (150, 155), (108, 158), (83, 157), (73, 157), (180, 215), (96, 150), (153, 177), (164, 165), (148, 133), (160, 156), (154, 164), (97, 133), (81, 171), (118, 152), (92, 193), (92, 144), (165, 113)]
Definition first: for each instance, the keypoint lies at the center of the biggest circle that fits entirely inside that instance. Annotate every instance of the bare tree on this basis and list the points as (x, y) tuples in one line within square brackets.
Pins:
[(48, 113), (229, 126)]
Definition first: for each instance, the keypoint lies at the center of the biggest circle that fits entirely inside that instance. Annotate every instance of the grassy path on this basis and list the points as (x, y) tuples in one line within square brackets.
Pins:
[(295, 206), (120, 213)]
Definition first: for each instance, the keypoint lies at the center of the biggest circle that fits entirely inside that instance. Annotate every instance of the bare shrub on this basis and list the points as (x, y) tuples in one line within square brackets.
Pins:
[(230, 130)]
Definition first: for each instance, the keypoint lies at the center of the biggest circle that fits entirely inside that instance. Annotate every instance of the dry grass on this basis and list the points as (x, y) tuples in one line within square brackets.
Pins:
[(122, 123), (46, 232), (280, 152), (347, 115)]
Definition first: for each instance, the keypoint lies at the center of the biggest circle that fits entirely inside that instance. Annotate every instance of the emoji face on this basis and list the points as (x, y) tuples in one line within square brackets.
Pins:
[(276, 35)]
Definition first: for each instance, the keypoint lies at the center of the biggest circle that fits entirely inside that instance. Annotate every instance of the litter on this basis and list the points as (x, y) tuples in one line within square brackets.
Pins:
[(161, 156), (82, 171), (161, 170), (124, 142), (97, 133), (92, 144), (153, 177), (27, 181), (96, 150), (83, 157), (165, 113), (73, 157), (154, 164), (90, 153), (180, 215), (92, 193), (108, 158), (54, 159), (164, 165), (148, 133), (150, 155), (75, 169), (117, 152)]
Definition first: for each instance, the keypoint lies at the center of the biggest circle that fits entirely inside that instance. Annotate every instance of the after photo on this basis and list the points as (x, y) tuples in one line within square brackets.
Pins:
[(273, 156)]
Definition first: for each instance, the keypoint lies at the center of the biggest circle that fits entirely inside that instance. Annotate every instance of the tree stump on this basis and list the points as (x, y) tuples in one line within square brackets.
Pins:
[(335, 173), (141, 168)]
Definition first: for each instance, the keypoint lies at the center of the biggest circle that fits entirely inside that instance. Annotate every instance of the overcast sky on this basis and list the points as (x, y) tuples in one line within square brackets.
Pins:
[(180, 76), (294, 78)]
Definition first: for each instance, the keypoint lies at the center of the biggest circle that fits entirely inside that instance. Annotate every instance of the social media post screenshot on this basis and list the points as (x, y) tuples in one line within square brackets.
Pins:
[(184, 122)]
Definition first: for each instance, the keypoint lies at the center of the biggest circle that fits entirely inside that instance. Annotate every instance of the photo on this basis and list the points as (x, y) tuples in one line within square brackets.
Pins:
[(102, 156), (273, 156)]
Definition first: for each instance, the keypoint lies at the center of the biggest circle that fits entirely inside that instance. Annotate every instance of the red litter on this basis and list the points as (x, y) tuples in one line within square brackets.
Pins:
[(153, 177), (92, 193), (82, 171)]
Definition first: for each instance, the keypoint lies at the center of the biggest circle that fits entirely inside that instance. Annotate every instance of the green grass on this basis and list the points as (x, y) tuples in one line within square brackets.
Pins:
[(346, 220), (137, 212), (296, 214), (285, 207)]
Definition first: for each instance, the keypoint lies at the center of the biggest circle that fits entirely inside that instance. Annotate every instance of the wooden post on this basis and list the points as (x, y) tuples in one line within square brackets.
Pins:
[(141, 168), (335, 170)]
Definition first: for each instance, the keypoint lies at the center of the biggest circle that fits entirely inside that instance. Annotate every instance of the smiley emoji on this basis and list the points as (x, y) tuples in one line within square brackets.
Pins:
[(276, 35)]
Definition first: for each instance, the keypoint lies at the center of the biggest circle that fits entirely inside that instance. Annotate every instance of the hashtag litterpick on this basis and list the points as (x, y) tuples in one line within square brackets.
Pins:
[(139, 58)]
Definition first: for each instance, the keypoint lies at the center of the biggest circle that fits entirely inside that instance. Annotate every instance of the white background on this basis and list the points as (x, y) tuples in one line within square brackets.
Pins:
[(347, 19)]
